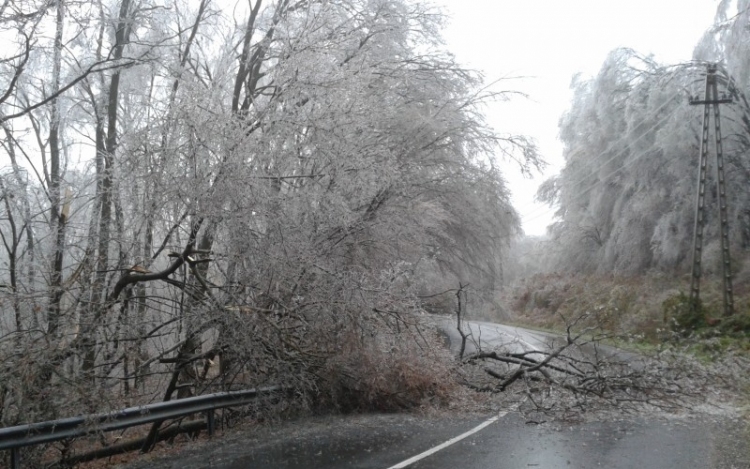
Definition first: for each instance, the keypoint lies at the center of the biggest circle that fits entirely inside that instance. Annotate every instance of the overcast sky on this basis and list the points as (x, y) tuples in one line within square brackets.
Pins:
[(547, 42)]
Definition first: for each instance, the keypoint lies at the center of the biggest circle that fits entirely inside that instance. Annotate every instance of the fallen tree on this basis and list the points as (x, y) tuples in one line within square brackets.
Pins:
[(577, 372)]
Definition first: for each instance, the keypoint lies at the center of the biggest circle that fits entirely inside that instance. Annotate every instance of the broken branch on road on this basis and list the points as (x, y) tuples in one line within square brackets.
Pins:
[(577, 372)]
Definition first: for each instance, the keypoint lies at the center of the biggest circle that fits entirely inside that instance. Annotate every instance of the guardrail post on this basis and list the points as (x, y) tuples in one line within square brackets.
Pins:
[(15, 458), (210, 422)]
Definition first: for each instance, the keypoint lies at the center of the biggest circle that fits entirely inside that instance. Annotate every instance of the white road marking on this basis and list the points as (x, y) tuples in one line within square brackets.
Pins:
[(439, 447)]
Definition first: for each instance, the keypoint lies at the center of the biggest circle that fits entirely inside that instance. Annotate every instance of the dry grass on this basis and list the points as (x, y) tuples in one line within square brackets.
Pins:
[(631, 307)]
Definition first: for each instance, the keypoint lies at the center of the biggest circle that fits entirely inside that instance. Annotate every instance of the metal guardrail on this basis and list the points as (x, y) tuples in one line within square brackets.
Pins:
[(14, 438)]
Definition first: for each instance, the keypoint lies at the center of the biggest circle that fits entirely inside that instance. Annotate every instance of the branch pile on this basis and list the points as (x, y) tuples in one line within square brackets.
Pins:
[(577, 374)]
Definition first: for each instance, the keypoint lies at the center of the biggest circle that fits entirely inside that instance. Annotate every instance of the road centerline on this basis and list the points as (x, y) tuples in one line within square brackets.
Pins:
[(448, 443)]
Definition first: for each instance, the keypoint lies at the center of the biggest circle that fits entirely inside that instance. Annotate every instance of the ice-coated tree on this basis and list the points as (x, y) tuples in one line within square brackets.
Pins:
[(272, 187), (626, 195)]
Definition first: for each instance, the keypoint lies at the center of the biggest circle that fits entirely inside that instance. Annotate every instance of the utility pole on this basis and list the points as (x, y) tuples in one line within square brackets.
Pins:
[(712, 99)]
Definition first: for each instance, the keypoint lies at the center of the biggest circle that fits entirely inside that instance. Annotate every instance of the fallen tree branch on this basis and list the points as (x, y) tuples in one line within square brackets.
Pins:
[(574, 373), (521, 371), (527, 362)]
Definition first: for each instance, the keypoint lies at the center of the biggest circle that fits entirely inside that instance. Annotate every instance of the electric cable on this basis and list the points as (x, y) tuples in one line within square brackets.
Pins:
[(526, 217)]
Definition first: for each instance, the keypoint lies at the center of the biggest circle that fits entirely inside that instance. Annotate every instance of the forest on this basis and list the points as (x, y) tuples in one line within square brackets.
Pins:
[(197, 199), (625, 198), (197, 196), (622, 242)]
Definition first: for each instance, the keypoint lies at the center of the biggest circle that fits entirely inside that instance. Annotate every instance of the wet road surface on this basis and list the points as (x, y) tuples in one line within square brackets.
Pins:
[(488, 335), (384, 441)]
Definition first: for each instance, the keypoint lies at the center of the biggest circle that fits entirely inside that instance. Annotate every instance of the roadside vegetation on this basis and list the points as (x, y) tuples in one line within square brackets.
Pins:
[(647, 311)]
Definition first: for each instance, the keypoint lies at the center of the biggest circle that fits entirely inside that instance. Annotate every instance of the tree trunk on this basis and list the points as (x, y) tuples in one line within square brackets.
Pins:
[(57, 212), (107, 156)]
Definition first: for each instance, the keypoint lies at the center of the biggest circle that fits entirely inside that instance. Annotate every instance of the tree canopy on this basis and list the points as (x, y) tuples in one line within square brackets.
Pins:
[(275, 185), (626, 195)]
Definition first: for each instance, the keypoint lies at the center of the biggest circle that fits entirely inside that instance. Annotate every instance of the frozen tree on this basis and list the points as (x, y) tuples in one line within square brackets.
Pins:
[(626, 194), (272, 187)]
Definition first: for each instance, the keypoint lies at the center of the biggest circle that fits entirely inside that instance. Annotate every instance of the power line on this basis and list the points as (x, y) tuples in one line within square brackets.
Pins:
[(613, 144), (617, 155)]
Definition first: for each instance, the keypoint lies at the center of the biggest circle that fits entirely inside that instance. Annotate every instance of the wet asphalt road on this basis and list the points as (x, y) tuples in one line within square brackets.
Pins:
[(382, 441), (511, 444), (488, 335)]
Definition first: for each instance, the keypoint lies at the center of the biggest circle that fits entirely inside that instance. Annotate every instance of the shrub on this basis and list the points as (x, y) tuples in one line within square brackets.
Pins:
[(683, 314), (737, 325)]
